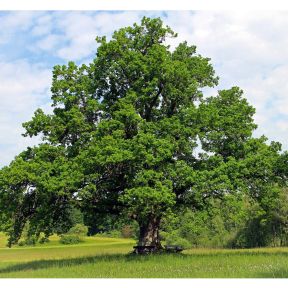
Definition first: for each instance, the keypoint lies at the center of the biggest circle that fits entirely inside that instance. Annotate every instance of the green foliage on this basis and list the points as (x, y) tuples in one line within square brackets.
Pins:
[(28, 239), (43, 240), (31, 241), (151, 191), (233, 222), (220, 132), (215, 226), (265, 227), (74, 235), (70, 239), (111, 234), (79, 230), (174, 239), (121, 229), (21, 243)]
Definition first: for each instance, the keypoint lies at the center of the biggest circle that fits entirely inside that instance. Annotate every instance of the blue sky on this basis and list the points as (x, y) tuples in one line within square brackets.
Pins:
[(248, 49)]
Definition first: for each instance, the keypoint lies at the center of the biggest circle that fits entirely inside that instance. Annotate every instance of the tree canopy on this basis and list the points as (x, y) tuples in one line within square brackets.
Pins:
[(132, 134)]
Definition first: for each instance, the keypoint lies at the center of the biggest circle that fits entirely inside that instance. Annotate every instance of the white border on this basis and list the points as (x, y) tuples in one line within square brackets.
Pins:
[(144, 5), (143, 283)]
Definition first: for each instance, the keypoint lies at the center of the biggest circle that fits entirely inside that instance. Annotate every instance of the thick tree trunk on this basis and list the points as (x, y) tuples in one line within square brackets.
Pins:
[(149, 233)]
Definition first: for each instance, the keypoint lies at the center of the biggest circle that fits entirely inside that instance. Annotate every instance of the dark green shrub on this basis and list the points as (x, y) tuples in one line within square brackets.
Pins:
[(70, 239), (79, 230), (31, 241), (43, 240), (174, 239), (21, 243)]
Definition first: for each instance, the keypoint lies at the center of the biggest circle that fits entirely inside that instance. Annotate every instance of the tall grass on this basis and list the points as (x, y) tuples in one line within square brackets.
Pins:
[(107, 258)]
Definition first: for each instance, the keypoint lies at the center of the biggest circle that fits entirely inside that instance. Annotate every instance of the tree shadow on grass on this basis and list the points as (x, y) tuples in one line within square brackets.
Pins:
[(66, 262), (69, 262)]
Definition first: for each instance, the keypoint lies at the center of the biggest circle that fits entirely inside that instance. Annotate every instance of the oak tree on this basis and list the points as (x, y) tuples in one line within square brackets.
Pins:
[(132, 134)]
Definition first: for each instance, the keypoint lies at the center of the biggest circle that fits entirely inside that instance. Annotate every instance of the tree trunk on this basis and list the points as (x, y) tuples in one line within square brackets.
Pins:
[(149, 233)]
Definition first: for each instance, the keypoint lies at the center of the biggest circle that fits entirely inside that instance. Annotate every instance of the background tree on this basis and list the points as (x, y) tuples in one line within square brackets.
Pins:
[(122, 137)]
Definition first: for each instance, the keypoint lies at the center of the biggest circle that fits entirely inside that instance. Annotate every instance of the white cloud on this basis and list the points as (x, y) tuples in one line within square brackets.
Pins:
[(48, 43), (24, 88), (74, 38), (43, 25), (14, 22)]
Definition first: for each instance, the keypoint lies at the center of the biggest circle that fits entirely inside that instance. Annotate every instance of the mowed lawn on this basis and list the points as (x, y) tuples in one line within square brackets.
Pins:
[(111, 258)]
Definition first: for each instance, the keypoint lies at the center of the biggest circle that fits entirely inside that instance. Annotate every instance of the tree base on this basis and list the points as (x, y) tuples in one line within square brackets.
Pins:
[(147, 249)]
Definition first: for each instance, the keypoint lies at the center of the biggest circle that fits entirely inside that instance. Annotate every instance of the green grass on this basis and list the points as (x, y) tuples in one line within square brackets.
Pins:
[(109, 258)]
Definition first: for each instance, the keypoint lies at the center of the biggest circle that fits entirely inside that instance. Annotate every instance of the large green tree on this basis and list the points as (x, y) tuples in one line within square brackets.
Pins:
[(124, 137)]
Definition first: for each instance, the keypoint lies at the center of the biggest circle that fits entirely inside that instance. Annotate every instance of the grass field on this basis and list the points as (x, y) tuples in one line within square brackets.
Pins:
[(110, 258)]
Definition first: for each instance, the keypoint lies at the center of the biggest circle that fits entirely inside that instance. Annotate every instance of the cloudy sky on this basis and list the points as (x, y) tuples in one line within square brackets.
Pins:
[(248, 49)]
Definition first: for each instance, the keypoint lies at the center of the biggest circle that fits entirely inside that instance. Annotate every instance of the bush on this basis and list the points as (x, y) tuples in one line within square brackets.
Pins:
[(74, 235), (79, 230), (21, 243), (31, 241), (70, 239), (174, 239), (43, 240)]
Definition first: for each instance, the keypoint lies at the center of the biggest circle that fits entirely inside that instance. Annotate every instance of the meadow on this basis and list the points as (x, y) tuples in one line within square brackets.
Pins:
[(111, 258)]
